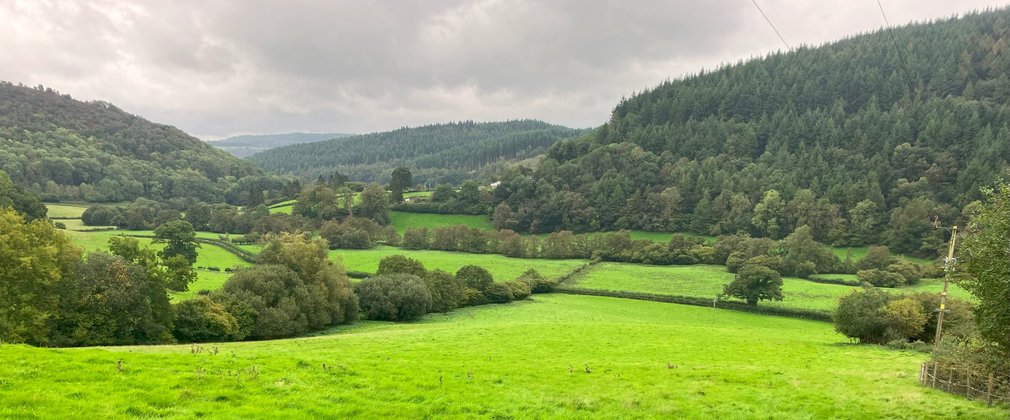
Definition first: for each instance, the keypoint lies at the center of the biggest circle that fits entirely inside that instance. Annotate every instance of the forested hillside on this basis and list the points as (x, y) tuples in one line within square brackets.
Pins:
[(864, 141), (441, 153), (66, 149), (248, 145)]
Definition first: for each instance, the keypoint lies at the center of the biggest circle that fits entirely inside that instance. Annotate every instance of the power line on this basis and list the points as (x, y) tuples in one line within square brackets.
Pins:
[(902, 62), (788, 48)]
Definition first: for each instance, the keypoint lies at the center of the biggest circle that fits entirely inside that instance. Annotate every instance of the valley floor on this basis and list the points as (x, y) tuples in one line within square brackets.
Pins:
[(555, 356)]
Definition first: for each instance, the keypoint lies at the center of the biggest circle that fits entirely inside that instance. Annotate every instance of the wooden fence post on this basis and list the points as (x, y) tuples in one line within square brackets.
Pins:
[(989, 394), (968, 387), (950, 381), (933, 385)]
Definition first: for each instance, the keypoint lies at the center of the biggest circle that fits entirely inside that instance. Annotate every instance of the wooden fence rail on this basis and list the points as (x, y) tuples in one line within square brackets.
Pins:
[(965, 381)]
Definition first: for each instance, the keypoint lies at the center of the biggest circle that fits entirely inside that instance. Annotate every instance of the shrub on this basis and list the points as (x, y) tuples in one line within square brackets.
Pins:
[(394, 297), (903, 318), (805, 269), (415, 238), (474, 277), (447, 292), (858, 315), (202, 319), (754, 283), (498, 293), (910, 272), (399, 264), (537, 282), (880, 278), (520, 290), (877, 257)]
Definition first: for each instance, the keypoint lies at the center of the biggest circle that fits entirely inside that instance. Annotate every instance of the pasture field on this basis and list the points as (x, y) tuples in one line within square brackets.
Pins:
[(282, 209), (501, 267), (858, 252), (208, 255), (557, 356), (65, 211), (402, 220), (707, 281)]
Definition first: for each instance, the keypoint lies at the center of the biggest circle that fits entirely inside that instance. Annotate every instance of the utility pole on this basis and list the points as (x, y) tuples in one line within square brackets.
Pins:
[(948, 268)]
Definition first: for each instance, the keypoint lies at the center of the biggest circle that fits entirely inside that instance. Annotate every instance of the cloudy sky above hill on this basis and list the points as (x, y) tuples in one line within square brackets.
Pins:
[(217, 68)]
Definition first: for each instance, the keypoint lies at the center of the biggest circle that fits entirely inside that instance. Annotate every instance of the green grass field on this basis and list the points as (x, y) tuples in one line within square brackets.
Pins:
[(858, 252), (65, 211), (522, 360), (402, 220), (501, 267), (208, 255), (707, 281)]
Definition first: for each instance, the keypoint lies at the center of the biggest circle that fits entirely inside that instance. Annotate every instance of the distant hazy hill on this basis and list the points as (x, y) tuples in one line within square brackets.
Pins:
[(434, 153), (67, 149), (248, 145)]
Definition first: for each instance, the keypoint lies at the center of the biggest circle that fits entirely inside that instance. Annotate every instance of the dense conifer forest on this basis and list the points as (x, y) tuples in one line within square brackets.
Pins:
[(439, 153), (865, 140), (248, 145), (66, 149)]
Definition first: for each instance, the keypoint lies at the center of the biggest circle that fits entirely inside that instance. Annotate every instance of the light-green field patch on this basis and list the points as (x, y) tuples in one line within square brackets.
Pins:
[(706, 281), (402, 220), (501, 267), (65, 211), (557, 356)]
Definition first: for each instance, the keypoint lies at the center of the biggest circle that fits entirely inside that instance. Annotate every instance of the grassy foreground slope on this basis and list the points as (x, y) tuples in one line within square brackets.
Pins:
[(525, 360)]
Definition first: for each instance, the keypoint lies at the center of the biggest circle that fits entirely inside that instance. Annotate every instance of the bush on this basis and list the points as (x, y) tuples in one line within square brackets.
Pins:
[(754, 283), (910, 272), (474, 278), (447, 292), (858, 315), (201, 319), (877, 257), (520, 290), (394, 297), (880, 278), (805, 269), (275, 297), (415, 238), (537, 282), (903, 318), (498, 293), (399, 264)]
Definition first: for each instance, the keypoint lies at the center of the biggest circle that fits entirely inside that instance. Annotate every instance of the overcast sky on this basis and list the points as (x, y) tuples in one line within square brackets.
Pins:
[(217, 68)]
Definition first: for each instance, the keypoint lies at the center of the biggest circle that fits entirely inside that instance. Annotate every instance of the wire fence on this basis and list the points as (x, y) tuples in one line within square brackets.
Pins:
[(966, 381)]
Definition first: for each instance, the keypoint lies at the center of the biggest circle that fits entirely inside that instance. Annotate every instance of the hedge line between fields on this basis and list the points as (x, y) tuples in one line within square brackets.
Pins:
[(832, 281), (699, 301), (244, 255)]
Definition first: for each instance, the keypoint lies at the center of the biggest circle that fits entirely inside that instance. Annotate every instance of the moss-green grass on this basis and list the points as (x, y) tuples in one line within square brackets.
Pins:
[(522, 360), (282, 209), (65, 211), (402, 220), (858, 252), (707, 281), (501, 267)]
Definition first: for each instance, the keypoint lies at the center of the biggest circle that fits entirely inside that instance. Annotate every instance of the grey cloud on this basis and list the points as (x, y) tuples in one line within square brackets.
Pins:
[(224, 67)]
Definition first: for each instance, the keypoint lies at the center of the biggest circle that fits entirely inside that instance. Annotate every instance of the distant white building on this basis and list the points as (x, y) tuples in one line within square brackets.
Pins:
[(495, 184)]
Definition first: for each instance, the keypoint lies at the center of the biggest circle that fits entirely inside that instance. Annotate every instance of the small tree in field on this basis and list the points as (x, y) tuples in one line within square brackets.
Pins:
[(754, 283)]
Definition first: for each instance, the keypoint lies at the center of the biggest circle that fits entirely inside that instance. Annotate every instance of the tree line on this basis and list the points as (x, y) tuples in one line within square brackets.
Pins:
[(439, 153), (836, 137), (66, 149)]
